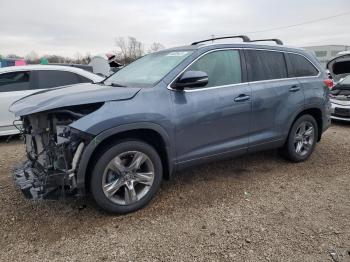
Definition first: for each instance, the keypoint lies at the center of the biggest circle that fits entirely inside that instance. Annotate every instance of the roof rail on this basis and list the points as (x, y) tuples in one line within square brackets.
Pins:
[(243, 37), (277, 41)]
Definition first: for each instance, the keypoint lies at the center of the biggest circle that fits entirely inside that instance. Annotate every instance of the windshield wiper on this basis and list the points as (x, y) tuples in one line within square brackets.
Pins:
[(111, 84), (116, 85)]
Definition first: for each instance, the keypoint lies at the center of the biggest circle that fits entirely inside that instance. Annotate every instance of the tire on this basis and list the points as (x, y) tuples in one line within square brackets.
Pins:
[(295, 139), (117, 169)]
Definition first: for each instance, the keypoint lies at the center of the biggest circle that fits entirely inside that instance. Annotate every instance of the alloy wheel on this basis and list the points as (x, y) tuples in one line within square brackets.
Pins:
[(304, 138), (128, 177)]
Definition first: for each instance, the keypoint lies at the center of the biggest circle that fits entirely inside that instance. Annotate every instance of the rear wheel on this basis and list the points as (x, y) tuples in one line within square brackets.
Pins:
[(302, 139), (126, 177)]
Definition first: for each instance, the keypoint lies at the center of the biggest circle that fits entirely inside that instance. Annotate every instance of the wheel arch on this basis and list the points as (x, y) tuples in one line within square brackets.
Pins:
[(316, 113), (151, 133)]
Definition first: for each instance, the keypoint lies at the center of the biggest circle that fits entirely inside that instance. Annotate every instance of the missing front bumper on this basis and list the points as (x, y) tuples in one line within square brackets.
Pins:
[(27, 181), (36, 184)]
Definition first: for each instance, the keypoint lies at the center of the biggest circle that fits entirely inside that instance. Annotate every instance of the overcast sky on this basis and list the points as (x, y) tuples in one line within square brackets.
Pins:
[(66, 27)]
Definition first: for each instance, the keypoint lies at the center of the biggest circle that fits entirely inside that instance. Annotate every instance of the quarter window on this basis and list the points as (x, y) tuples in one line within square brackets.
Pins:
[(266, 65), (302, 66), (222, 67), (15, 81)]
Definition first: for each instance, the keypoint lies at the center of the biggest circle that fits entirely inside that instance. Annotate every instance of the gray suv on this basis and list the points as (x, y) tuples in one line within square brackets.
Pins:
[(167, 111)]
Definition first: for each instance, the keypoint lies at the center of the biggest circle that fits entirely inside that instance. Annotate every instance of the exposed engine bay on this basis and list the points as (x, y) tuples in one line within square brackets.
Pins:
[(340, 98), (53, 151), (341, 91), (341, 94)]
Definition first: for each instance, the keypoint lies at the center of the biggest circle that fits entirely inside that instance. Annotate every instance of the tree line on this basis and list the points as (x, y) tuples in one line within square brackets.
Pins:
[(128, 49)]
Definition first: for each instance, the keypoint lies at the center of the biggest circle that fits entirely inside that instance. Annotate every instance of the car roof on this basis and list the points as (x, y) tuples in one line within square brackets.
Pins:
[(71, 69), (239, 45)]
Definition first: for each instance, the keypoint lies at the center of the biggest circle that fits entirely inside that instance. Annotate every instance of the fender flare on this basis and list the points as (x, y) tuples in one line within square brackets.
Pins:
[(91, 147), (302, 109)]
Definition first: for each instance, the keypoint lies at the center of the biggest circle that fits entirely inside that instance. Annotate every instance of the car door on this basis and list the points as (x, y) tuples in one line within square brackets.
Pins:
[(13, 86), (275, 97), (308, 76), (213, 120)]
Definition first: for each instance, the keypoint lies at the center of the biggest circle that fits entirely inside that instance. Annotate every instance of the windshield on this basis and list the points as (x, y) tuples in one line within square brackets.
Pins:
[(148, 70)]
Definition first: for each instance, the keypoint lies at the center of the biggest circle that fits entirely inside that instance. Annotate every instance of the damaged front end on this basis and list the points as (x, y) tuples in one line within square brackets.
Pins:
[(53, 151)]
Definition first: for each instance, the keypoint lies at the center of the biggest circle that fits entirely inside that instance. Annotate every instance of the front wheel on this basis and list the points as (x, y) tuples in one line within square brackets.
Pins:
[(126, 177), (302, 139)]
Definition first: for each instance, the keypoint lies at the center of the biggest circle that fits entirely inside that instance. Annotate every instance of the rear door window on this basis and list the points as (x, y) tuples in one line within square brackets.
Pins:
[(265, 65), (301, 66), (14, 81), (222, 67), (53, 78)]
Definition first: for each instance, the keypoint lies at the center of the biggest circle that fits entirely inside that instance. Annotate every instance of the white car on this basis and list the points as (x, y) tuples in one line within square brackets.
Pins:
[(19, 81), (340, 98)]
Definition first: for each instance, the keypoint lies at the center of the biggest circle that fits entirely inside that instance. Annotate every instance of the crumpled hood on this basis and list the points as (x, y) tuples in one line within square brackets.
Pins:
[(70, 96)]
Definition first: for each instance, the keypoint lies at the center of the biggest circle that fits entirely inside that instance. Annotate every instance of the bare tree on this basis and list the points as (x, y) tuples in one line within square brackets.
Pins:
[(129, 50), (54, 59), (135, 48), (32, 58), (77, 58), (155, 47), (122, 53), (86, 58), (57, 59), (13, 56)]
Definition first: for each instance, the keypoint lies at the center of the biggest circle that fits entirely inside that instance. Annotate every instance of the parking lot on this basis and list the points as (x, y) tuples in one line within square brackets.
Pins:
[(254, 208)]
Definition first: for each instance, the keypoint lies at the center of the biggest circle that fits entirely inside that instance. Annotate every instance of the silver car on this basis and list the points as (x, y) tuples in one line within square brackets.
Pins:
[(19, 81), (340, 98)]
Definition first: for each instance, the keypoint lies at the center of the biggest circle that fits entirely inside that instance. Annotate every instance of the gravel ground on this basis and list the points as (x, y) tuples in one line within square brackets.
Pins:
[(254, 208)]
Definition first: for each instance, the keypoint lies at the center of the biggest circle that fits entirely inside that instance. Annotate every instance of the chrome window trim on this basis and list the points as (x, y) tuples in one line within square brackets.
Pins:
[(208, 88), (243, 83)]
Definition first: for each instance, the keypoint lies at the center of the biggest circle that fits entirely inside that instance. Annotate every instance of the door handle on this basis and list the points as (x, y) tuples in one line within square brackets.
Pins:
[(294, 88), (242, 98)]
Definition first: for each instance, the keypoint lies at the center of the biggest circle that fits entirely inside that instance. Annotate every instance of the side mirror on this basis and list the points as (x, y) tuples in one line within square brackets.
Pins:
[(191, 79)]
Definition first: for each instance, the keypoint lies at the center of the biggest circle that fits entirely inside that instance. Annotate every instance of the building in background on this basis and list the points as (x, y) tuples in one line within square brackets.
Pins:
[(325, 53)]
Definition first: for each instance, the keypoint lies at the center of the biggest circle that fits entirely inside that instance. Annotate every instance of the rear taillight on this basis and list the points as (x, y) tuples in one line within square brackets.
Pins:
[(329, 83)]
